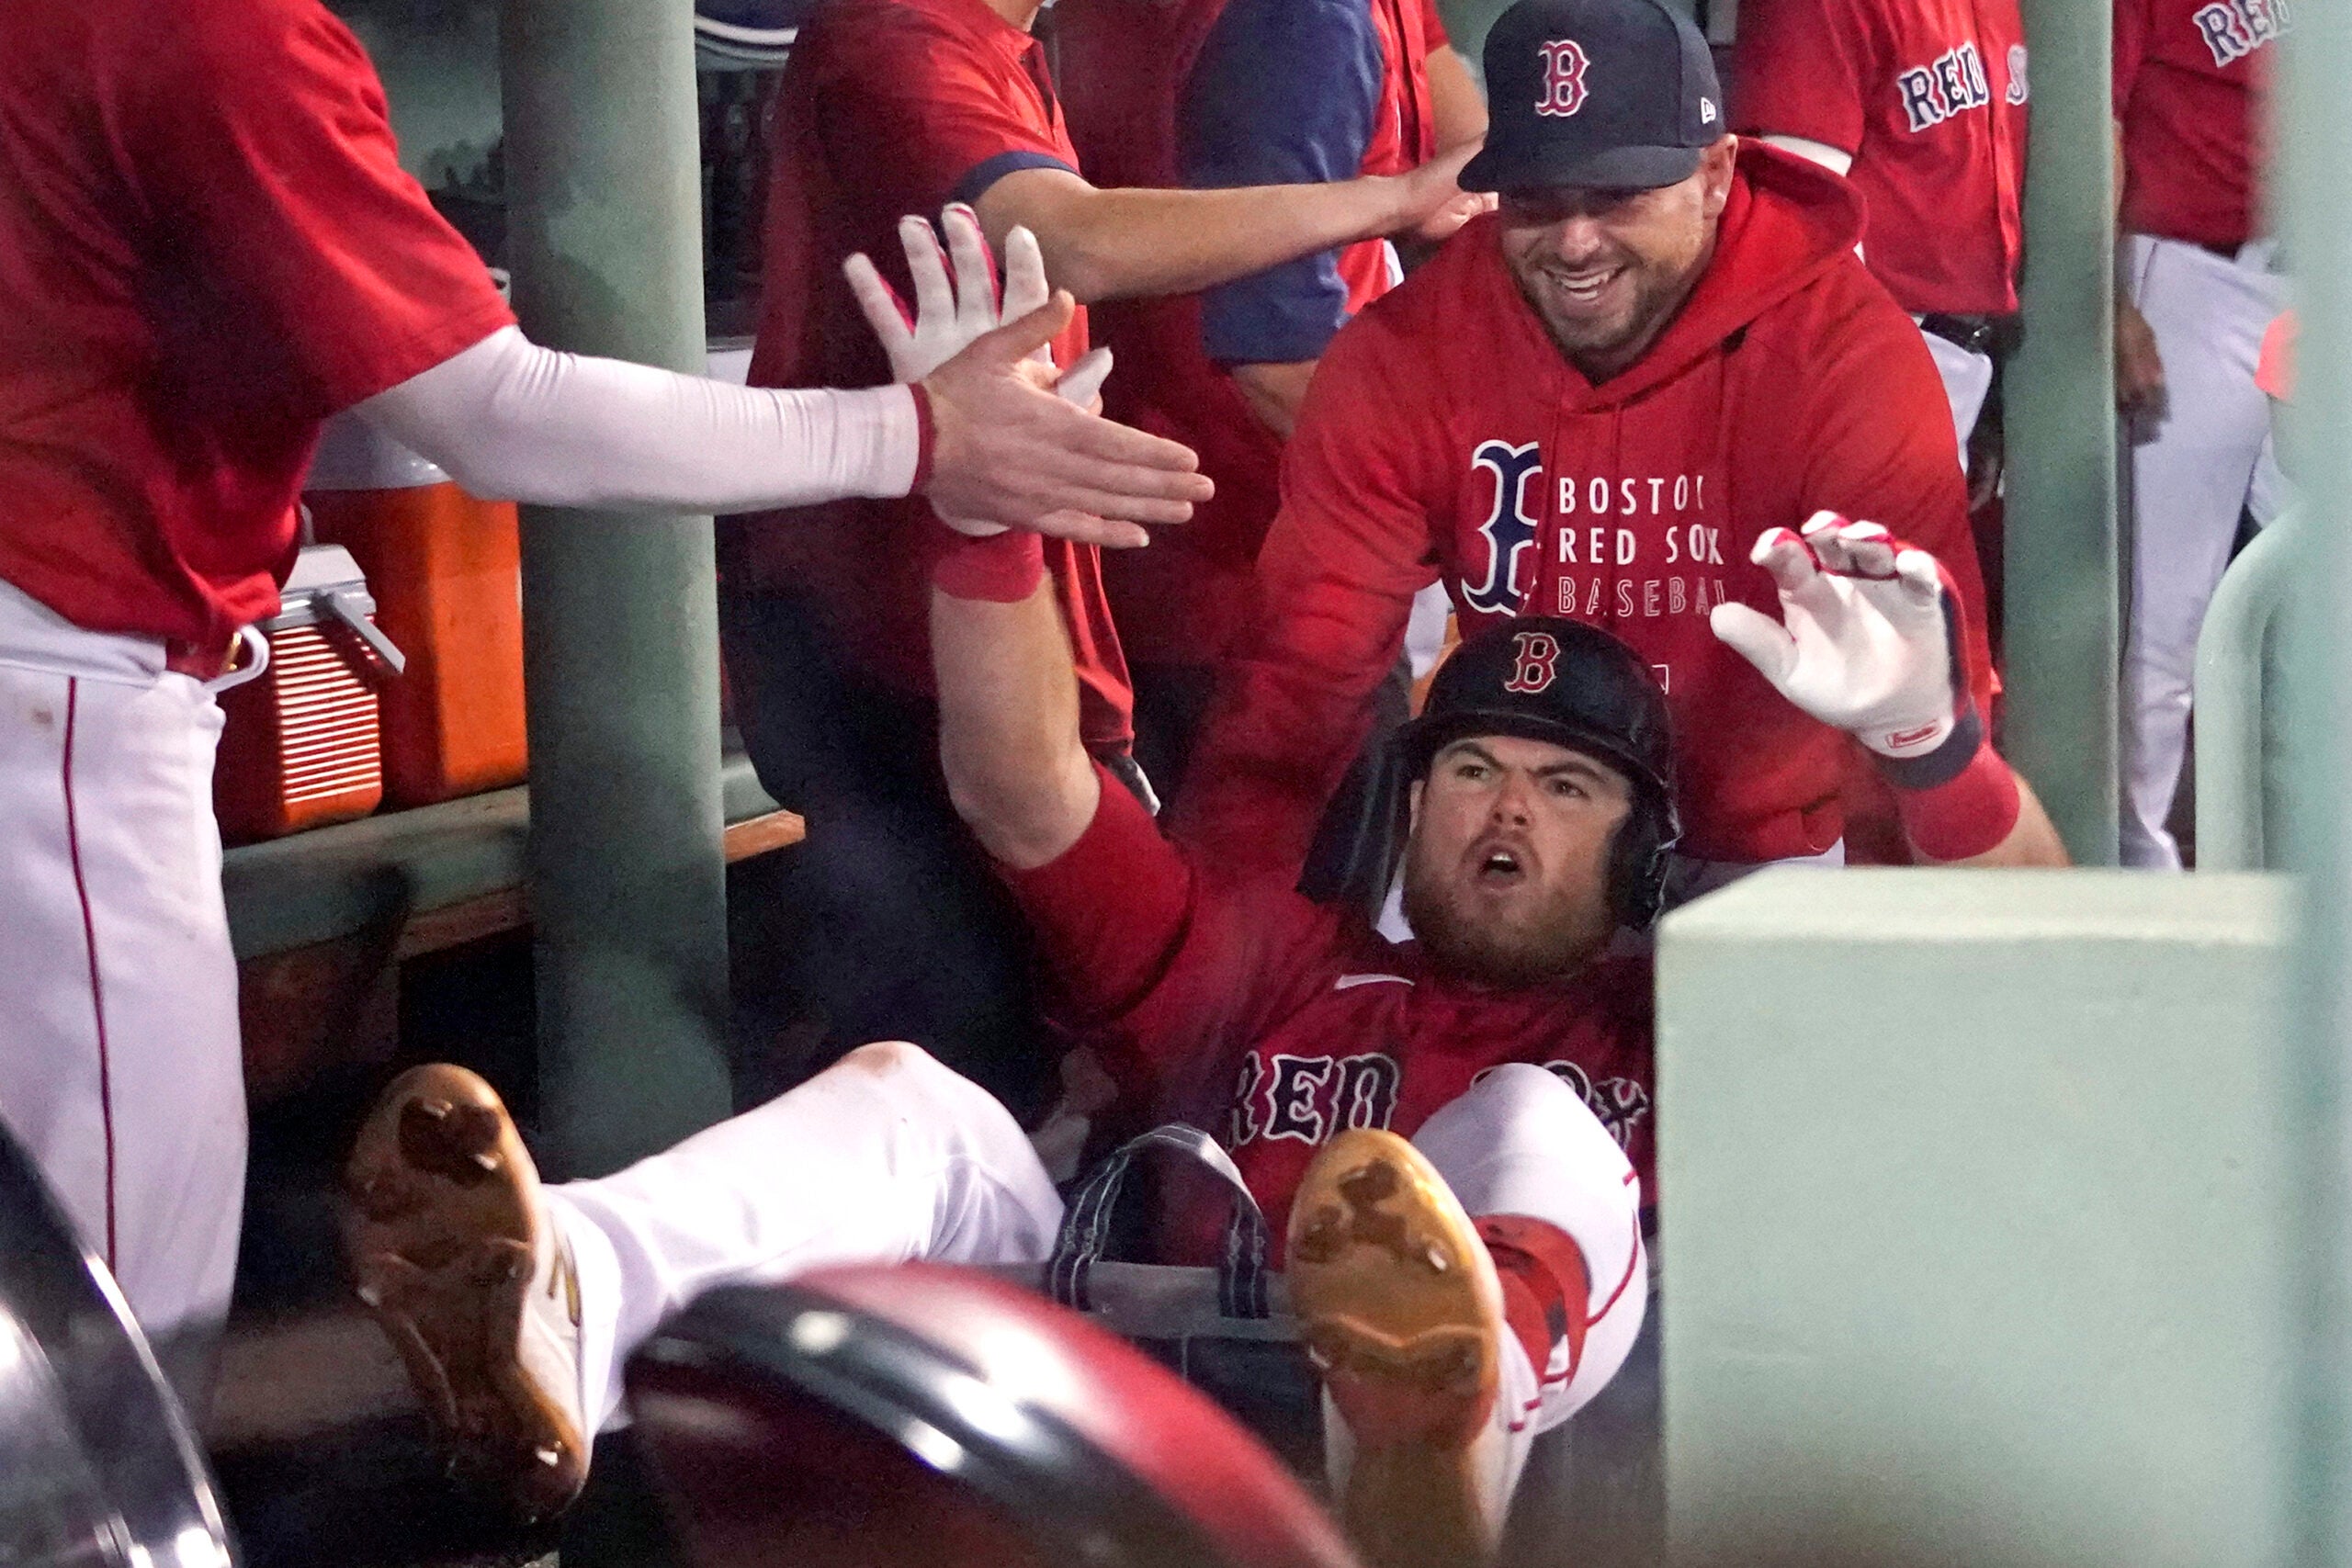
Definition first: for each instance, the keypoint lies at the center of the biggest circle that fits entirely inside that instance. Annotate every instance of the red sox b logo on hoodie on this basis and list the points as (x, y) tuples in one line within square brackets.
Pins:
[(1564, 68)]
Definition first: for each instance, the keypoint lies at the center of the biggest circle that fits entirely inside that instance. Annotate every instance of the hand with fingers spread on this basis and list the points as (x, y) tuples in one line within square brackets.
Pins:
[(1867, 640), (1002, 453)]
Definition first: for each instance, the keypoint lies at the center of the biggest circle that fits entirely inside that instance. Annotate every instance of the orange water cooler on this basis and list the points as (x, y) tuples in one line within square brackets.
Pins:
[(446, 573), (299, 748)]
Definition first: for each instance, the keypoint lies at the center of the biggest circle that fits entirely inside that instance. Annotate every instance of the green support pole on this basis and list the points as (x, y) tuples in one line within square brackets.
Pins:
[(2315, 143), (2063, 610), (620, 630)]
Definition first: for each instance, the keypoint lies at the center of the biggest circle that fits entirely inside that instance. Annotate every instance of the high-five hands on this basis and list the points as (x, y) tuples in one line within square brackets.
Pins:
[(1013, 444), (1866, 641)]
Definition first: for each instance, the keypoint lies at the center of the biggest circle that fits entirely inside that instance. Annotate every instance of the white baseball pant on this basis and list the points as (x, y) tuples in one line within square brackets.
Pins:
[(2195, 464), (887, 1156), (120, 1070), (1968, 380)]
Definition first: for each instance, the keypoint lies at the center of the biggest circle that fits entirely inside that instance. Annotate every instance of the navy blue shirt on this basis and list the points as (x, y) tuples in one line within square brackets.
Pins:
[(1284, 92)]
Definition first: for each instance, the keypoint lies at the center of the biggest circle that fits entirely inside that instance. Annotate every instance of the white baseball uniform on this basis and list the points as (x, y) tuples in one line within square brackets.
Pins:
[(2188, 76)]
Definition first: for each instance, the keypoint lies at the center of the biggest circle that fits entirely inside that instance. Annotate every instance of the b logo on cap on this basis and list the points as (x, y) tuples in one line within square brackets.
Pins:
[(1564, 69), (1539, 662)]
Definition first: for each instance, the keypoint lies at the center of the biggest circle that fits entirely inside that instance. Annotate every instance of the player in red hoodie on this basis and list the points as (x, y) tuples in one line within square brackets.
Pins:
[(1661, 348)]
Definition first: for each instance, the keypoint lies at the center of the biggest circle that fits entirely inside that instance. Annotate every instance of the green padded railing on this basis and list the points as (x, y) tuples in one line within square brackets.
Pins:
[(2238, 704)]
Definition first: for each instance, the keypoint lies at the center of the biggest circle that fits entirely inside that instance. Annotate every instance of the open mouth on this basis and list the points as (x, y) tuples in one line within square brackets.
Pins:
[(1501, 866)]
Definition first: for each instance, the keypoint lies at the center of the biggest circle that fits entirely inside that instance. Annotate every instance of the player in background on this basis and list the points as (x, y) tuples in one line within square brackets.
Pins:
[(1216, 94), (2201, 283), (894, 927), (207, 247), (1921, 103), (1661, 346), (1538, 826)]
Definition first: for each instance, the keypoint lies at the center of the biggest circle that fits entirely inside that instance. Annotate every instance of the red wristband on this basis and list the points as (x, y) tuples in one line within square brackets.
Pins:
[(926, 434), (1967, 814), (1005, 566)]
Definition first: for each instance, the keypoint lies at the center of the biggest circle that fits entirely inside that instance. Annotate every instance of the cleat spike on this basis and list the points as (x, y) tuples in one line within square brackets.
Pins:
[(551, 1457)]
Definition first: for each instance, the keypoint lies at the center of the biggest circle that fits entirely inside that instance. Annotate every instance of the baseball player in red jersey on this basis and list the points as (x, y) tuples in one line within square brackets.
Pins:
[(889, 108), (1659, 350), (1214, 93), (1504, 1042), (2201, 284), (207, 247), (1921, 104)]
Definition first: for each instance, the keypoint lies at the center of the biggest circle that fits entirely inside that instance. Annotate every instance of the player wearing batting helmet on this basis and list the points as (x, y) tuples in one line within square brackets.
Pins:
[(1460, 1292), (208, 246), (1602, 402)]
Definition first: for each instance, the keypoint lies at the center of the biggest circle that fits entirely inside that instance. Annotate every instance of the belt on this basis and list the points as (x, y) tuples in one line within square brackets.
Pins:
[(201, 661), (1977, 334)]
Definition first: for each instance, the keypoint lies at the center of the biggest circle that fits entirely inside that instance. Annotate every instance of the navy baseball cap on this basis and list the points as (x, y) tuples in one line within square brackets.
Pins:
[(1619, 95)]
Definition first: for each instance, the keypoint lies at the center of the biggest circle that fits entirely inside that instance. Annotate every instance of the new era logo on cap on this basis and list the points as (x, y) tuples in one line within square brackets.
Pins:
[(1564, 68)]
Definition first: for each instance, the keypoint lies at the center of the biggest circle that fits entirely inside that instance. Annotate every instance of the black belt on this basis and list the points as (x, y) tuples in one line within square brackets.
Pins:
[(1977, 334)]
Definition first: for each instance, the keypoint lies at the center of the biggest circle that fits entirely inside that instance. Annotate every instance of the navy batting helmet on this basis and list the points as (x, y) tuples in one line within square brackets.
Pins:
[(1573, 685), (1542, 679)]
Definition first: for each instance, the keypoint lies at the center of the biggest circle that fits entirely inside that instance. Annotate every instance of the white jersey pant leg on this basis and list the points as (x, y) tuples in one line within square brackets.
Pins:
[(2194, 467), (121, 1069), (1521, 1141), (886, 1156), (1968, 380)]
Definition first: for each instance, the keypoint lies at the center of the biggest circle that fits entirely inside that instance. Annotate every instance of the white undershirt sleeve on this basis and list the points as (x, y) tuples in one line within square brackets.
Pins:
[(511, 421), (1834, 159)]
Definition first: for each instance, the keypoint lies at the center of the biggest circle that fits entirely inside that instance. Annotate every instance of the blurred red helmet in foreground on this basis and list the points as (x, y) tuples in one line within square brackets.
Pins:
[(919, 1415)]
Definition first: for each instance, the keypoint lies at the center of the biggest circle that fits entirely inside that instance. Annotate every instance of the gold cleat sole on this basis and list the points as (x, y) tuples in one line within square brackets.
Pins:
[(439, 1232), (1400, 1310)]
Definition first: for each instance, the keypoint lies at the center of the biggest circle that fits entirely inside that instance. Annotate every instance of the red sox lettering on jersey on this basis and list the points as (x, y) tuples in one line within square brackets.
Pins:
[(1564, 68), (1310, 1100), (1953, 83), (1621, 547), (2236, 28)]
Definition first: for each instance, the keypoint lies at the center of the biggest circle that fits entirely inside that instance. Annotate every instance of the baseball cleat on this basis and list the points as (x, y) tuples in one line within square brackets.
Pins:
[(456, 1255), (1403, 1317)]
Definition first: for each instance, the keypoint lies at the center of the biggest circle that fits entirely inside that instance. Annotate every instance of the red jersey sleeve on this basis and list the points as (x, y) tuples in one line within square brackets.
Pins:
[(264, 149), (1883, 451), (926, 116), (1804, 68), (1169, 974), (1434, 34), (1336, 579)]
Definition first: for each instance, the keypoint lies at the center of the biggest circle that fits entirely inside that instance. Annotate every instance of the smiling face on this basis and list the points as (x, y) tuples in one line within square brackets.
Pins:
[(1607, 269), (1506, 871)]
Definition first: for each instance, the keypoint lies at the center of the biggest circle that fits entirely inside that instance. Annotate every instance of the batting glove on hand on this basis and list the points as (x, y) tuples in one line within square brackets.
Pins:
[(949, 316), (1868, 645)]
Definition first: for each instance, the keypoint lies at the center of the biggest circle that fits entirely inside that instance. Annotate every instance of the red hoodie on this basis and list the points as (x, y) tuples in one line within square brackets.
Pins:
[(1446, 437)]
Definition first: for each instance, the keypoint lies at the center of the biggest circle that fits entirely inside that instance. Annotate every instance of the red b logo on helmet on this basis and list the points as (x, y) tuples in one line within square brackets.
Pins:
[(1564, 68), (1539, 659)]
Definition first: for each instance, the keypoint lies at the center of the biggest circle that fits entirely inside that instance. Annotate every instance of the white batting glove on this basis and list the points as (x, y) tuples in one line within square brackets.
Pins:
[(1866, 641), (949, 316)]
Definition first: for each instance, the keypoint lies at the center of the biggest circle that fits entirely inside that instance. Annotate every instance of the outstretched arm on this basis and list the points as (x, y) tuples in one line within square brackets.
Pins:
[(1871, 643), (511, 419), (1008, 704)]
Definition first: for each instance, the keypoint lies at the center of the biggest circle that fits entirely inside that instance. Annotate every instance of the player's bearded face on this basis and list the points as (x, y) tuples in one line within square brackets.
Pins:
[(1507, 872), (1607, 269)]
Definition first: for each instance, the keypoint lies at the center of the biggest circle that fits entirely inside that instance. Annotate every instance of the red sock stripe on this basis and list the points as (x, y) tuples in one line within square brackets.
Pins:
[(90, 944)]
